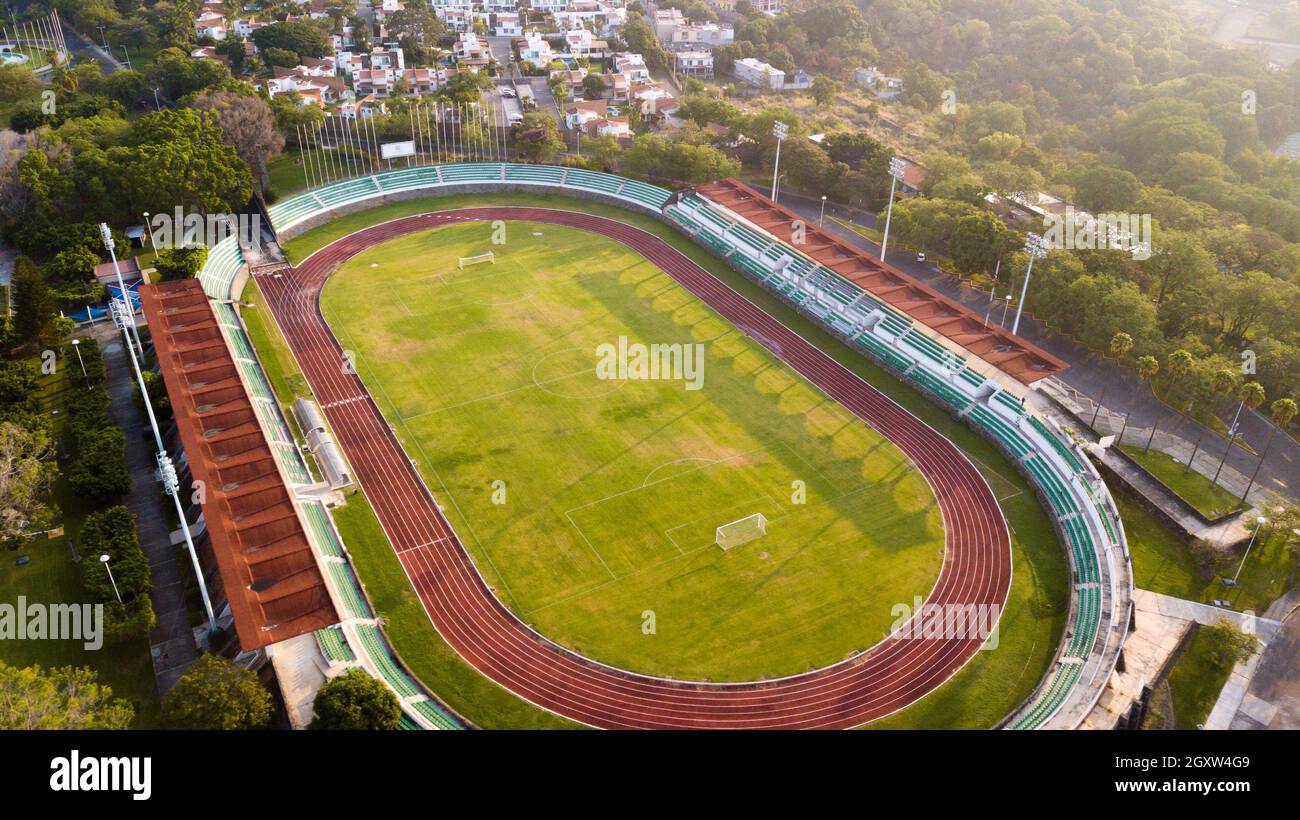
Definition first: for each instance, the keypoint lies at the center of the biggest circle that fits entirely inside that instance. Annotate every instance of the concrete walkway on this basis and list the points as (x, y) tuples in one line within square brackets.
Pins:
[(1268, 695), (172, 640)]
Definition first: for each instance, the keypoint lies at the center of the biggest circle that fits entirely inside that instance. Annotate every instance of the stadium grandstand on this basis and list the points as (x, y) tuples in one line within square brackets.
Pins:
[(976, 373)]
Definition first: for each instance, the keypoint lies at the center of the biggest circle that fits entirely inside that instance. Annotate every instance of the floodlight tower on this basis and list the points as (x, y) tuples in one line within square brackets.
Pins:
[(1036, 247), (107, 236), (779, 130), (895, 174)]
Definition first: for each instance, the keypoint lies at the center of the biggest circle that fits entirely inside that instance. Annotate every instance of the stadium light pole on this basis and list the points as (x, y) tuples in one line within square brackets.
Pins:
[(107, 236), (821, 216), (779, 130), (104, 559), (166, 470), (895, 174), (1036, 248)]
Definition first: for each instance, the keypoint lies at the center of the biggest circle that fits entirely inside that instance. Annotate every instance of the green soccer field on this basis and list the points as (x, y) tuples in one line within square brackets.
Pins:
[(590, 504)]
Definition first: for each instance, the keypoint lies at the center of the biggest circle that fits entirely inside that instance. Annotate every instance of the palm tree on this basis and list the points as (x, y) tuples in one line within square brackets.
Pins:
[(1282, 412), (1120, 345), (1147, 366), (1251, 395), (1178, 363), (1222, 383)]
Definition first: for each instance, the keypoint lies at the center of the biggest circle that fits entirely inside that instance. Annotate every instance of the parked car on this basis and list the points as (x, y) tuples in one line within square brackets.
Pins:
[(920, 256)]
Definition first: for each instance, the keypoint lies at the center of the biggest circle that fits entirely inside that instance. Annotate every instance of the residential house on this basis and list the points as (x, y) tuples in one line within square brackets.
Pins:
[(694, 63), (535, 49), (210, 24), (665, 20), (508, 24), (579, 113), (759, 74), (580, 43), (471, 50), (633, 65), (878, 83), (701, 34)]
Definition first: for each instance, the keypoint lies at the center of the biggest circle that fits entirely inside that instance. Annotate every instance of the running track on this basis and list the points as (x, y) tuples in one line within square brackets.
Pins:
[(882, 680)]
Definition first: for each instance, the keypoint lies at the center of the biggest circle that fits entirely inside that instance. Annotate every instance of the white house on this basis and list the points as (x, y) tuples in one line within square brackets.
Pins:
[(694, 63), (508, 25), (536, 50), (759, 74), (877, 82), (580, 43), (701, 34)]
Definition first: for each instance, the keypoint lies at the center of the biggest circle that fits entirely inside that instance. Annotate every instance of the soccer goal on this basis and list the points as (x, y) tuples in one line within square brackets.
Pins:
[(743, 531), (489, 257)]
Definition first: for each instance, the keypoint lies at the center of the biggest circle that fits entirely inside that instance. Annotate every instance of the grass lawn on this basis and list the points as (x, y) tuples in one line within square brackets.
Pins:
[(589, 501), (1196, 680), (286, 174), (990, 685), (1163, 562), (1191, 486), (54, 577)]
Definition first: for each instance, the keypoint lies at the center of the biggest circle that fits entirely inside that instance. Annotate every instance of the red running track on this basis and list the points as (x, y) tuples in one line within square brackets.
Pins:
[(891, 675)]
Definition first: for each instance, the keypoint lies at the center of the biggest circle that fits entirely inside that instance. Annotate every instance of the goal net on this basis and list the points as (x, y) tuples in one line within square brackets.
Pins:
[(474, 260), (741, 532)]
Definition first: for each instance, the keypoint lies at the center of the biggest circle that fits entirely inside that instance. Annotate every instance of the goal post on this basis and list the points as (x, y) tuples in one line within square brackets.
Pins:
[(741, 531), (488, 257)]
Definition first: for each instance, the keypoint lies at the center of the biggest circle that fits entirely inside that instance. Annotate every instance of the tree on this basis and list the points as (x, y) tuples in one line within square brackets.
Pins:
[(282, 57), (217, 694), (181, 263), (99, 470), (26, 473), (655, 159), (824, 90), (247, 125), (1099, 189), (1249, 395), (301, 38), (1147, 367), (17, 82), (355, 701), (593, 86), (1281, 412), (1120, 345), (62, 698), (33, 307), (978, 241), (180, 159), (537, 136)]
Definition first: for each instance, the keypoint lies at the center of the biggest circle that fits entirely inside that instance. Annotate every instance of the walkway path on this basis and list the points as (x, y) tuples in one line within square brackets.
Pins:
[(172, 639)]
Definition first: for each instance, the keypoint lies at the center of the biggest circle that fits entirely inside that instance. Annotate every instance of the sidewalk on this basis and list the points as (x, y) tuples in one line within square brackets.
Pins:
[(172, 639)]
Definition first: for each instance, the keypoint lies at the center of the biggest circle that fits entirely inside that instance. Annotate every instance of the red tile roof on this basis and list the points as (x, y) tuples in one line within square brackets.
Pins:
[(267, 565)]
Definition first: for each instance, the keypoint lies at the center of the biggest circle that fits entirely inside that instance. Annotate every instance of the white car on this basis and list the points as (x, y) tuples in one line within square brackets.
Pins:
[(920, 257), (507, 91)]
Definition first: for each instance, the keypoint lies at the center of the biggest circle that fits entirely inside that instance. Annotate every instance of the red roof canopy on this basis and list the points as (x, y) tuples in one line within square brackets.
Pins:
[(267, 565)]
